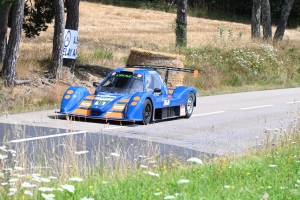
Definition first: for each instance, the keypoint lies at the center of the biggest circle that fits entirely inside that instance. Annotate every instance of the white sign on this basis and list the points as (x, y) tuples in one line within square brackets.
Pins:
[(70, 44)]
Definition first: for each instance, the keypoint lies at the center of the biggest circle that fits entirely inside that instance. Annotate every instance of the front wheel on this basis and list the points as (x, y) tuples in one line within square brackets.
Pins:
[(147, 112), (189, 106)]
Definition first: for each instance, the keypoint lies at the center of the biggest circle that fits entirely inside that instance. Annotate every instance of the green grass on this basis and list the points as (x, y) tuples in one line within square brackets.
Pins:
[(269, 171), (103, 53)]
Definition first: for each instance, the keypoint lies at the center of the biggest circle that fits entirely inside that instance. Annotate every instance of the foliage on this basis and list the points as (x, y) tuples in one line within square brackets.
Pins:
[(37, 15), (234, 66), (103, 53)]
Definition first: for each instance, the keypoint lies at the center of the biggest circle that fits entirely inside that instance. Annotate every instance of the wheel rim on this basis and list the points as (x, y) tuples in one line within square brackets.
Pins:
[(189, 105), (147, 112)]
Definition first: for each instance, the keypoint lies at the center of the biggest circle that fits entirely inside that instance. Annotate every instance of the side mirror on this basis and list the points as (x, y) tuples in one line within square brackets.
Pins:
[(157, 91), (95, 84)]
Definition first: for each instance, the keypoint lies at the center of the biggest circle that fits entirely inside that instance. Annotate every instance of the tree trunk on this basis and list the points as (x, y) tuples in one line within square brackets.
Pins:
[(3, 29), (72, 23), (181, 23), (10, 59), (58, 40), (255, 22), (285, 13), (266, 19)]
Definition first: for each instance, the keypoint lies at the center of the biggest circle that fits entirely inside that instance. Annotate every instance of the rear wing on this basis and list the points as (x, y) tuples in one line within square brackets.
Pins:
[(195, 72)]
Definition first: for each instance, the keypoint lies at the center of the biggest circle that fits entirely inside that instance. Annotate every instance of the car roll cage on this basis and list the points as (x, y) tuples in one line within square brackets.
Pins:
[(194, 71)]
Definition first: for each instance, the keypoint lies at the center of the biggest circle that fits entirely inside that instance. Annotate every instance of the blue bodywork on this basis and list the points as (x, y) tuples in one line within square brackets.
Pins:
[(121, 96)]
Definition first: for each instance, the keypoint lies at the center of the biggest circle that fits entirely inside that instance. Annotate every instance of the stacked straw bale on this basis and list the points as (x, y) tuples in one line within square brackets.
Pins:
[(151, 58)]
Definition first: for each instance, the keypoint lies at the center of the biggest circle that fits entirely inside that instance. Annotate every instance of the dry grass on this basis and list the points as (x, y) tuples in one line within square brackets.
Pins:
[(118, 29)]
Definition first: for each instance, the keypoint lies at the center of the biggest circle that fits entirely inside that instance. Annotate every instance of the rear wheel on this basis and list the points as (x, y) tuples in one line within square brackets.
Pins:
[(147, 112), (189, 106)]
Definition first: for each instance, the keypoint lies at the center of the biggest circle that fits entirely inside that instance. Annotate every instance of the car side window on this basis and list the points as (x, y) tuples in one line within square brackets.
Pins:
[(156, 81)]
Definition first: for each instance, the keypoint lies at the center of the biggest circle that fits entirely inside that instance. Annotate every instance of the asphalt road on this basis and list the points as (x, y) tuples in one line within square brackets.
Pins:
[(221, 124)]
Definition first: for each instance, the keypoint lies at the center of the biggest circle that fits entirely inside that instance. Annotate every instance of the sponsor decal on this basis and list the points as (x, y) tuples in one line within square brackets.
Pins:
[(102, 100), (85, 104), (166, 102)]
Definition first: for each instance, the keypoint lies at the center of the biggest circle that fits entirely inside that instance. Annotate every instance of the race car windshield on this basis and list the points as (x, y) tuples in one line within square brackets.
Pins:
[(123, 82)]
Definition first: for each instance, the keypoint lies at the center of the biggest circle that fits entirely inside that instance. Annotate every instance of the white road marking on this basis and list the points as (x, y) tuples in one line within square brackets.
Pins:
[(264, 106), (211, 113), (46, 136), (116, 127), (293, 102)]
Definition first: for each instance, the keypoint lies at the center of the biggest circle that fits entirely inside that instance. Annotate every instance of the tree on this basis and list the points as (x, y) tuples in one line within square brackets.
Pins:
[(4, 12), (37, 14), (181, 23), (72, 23), (10, 59), (283, 20), (266, 19), (58, 39), (255, 22)]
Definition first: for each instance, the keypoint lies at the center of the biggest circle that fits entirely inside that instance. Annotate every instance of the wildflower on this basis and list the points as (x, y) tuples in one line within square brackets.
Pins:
[(35, 175), (3, 148), (85, 198), (142, 156), (48, 196), (195, 160), (13, 180), (3, 156), (248, 173), (27, 192), (157, 193), (227, 186), (12, 191), (45, 180), (45, 189), (298, 181), (18, 168), (143, 166), (182, 181), (272, 165), (37, 179), (169, 197), (27, 185), (19, 175), (265, 196), (115, 154), (269, 187), (4, 184), (76, 179), (70, 188), (52, 177), (81, 152), (152, 173)]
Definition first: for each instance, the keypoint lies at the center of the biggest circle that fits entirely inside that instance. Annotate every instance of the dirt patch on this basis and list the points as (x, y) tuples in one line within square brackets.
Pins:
[(41, 90)]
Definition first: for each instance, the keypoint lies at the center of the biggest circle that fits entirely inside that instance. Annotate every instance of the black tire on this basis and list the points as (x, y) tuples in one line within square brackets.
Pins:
[(189, 105), (147, 112)]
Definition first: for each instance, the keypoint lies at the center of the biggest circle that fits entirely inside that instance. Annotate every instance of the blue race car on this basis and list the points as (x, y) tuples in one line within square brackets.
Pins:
[(133, 93)]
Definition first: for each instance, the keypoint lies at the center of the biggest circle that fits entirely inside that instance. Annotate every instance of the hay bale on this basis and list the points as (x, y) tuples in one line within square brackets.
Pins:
[(142, 57)]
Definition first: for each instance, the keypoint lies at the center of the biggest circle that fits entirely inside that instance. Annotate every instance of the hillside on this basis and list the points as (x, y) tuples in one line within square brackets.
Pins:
[(112, 31)]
